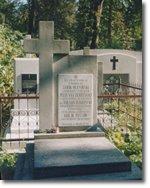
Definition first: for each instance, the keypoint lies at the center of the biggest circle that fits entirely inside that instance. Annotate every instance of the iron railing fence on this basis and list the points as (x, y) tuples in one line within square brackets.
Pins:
[(19, 114), (121, 118), (123, 88), (122, 110)]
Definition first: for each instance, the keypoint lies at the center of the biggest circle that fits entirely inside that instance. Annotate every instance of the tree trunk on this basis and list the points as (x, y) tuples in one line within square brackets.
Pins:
[(32, 16), (110, 24), (96, 8)]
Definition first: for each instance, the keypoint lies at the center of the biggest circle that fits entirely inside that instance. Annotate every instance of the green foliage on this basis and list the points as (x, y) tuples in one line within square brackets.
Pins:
[(117, 24), (10, 48), (83, 29), (62, 12), (116, 29), (88, 18), (121, 26), (131, 146), (127, 132), (7, 160), (14, 13)]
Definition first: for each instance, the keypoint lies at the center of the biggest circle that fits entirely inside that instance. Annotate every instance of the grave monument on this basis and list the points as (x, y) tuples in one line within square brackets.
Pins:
[(68, 90), (68, 87), (124, 64)]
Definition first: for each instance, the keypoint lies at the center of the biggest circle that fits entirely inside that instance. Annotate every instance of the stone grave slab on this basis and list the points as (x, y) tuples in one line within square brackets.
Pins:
[(77, 156), (25, 167), (133, 175)]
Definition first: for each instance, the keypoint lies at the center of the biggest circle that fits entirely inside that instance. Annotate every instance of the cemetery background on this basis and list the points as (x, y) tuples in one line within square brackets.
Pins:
[(126, 142)]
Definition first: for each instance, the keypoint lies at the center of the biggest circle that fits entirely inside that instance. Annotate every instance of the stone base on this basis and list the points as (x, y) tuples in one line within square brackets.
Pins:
[(25, 171), (75, 134), (92, 128), (134, 174), (77, 156), (73, 128)]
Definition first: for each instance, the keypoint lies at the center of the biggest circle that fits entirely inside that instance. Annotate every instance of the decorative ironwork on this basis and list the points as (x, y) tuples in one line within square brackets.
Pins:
[(17, 120), (25, 121), (21, 112)]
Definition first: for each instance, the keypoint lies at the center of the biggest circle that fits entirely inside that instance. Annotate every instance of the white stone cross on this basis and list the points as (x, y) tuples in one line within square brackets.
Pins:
[(46, 46)]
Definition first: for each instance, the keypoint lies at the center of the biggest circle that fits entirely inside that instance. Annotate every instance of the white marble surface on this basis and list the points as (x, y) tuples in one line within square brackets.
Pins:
[(75, 99)]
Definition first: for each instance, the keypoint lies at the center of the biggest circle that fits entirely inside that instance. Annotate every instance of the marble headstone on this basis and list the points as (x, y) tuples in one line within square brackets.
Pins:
[(76, 89)]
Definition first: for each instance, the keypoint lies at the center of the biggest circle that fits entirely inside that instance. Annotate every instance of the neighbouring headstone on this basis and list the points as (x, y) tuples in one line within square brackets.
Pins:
[(121, 64), (24, 116), (26, 81), (26, 75)]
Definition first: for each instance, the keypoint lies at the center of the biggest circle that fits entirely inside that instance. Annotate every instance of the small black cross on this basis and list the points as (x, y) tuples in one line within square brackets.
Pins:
[(114, 60)]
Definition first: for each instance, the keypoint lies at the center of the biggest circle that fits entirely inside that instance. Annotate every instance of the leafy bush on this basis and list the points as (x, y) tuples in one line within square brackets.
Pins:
[(7, 160), (10, 48), (129, 144), (127, 133)]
